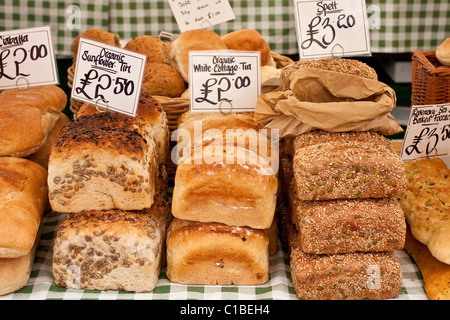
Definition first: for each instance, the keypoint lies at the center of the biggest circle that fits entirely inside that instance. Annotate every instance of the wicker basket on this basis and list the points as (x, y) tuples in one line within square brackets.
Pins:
[(430, 79)]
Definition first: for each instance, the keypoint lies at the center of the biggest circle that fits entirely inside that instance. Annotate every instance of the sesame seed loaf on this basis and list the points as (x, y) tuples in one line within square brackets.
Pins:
[(108, 250), (101, 162), (348, 225), (215, 253), (344, 65), (350, 276), (347, 170)]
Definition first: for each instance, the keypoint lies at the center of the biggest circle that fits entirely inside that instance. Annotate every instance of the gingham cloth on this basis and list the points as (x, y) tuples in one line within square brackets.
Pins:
[(279, 287), (404, 25)]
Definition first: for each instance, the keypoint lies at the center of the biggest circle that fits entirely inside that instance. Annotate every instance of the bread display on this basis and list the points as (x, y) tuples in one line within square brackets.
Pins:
[(249, 40), (151, 46), (103, 161), (23, 200), (27, 118), (443, 52), (343, 65), (350, 276), (192, 40), (108, 250), (214, 253), (349, 225), (347, 170), (436, 274), (426, 204), (99, 35)]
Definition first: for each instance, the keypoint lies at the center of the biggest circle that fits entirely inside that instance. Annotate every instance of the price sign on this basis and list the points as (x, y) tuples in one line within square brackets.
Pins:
[(27, 58), (332, 28), (428, 132), (199, 14), (224, 81), (108, 77)]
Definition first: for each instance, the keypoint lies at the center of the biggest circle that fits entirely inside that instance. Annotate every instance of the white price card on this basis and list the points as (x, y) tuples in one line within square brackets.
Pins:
[(200, 14), (224, 81), (428, 132), (108, 77), (334, 28), (27, 58)]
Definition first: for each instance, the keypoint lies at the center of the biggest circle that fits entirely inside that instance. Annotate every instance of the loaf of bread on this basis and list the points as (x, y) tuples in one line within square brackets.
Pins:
[(151, 46), (234, 186), (15, 272), (162, 80), (98, 35), (436, 274), (42, 155), (348, 225), (426, 204), (23, 200), (343, 65), (347, 170), (103, 161), (108, 250), (214, 253), (27, 117), (443, 52), (151, 110), (192, 40), (249, 40), (349, 276)]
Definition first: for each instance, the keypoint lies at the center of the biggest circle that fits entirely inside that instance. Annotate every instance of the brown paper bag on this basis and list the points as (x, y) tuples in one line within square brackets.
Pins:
[(329, 101)]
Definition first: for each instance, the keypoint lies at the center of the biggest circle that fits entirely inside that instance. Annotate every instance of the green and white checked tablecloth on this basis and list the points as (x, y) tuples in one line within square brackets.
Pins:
[(397, 26), (279, 287)]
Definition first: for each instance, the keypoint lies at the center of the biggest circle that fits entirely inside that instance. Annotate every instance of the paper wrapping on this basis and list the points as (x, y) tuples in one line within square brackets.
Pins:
[(329, 101)]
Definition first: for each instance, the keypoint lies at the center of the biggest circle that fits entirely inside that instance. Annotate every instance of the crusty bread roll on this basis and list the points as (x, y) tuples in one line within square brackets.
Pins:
[(214, 253), (162, 80), (230, 185), (23, 199), (151, 46), (443, 52), (150, 109), (340, 169), (249, 40), (193, 40), (15, 272), (99, 35), (108, 250), (27, 117), (426, 204), (41, 156), (103, 161), (436, 274)]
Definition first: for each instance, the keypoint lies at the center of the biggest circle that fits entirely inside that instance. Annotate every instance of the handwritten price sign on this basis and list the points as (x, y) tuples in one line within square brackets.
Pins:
[(27, 58), (332, 28), (428, 132), (224, 81), (108, 77)]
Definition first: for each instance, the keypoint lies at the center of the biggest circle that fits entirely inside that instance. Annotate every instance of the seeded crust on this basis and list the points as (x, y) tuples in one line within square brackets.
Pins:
[(96, 167), (108, 250), (344, 226), (343, 65), (343, 276), (150, 109), (347, 170), (214, 253), (162, 80)]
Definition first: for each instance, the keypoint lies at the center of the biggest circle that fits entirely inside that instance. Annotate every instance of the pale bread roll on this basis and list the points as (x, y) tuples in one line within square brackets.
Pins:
[(443, 52)]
